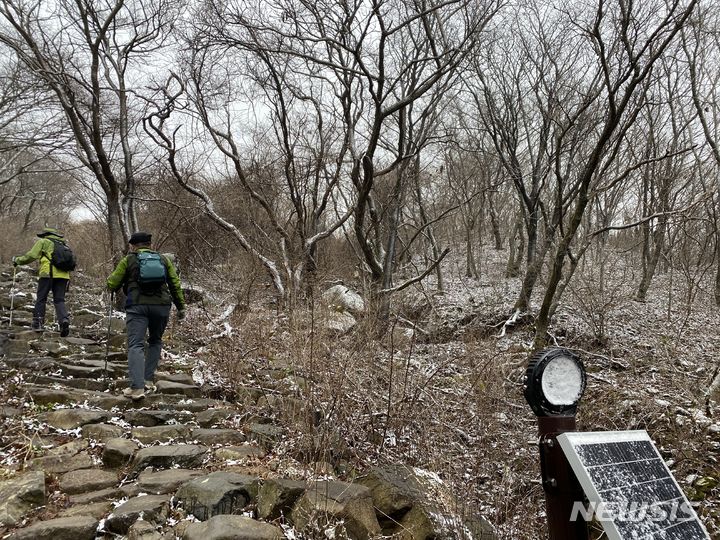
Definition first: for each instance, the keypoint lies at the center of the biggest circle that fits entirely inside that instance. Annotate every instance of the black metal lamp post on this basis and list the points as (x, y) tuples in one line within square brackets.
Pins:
[(554, 384)]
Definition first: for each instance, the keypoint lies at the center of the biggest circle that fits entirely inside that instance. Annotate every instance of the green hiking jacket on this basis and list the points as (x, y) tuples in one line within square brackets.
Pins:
[(125, 276), (42, 250)]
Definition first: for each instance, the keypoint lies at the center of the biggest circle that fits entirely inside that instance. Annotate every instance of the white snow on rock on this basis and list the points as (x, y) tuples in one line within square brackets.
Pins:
[(343, 299)]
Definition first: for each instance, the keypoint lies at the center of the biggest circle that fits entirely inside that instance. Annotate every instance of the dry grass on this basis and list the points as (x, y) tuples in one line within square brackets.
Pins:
[(451, 401)]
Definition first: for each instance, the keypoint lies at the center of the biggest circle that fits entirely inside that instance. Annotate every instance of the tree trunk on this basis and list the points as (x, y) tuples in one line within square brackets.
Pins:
[(516, 245), (542, 323), (532, 234), (494, 224), (388, 264), (717, 283), (470, 268), (650, 265), (118, 238)]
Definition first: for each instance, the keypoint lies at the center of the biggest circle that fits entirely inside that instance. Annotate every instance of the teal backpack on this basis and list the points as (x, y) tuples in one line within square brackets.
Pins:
[(151, 270)]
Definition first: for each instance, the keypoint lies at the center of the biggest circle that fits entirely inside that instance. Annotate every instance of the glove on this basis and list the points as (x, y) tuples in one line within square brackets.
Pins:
[(181, 314), (14, 261)]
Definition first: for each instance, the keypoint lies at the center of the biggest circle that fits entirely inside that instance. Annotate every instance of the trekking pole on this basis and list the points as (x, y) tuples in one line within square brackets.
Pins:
[(109, 328), (12, 295)]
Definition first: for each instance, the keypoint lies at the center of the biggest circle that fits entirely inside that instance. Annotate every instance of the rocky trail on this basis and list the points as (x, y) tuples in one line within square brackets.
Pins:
[(80, 461)]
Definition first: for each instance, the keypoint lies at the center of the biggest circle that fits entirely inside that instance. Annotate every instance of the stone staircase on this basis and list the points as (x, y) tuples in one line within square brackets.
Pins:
[(80, 461)]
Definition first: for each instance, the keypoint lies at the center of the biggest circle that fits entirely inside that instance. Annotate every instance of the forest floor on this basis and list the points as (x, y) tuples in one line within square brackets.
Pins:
[(440, 389)]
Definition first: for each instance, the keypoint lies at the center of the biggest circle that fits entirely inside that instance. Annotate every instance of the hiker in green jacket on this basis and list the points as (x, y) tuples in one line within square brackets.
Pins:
[(151, 284), (50, 278)]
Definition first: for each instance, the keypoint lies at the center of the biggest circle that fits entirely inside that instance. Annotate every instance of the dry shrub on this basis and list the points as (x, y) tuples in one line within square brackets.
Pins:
[(599, 292), (14, 241), (356, 400), (90, 242)]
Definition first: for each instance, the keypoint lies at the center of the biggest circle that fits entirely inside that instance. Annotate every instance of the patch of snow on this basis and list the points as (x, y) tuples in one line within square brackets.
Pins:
[(429, 475)]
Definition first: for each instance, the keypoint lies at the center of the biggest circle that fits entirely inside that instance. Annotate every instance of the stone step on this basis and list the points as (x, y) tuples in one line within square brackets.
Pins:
[(64, 528), (127, 466)]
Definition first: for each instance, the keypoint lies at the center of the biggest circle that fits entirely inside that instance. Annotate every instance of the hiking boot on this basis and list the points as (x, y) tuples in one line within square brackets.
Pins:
[(150, 386), (37, 325), (134, 393), (64, 329)]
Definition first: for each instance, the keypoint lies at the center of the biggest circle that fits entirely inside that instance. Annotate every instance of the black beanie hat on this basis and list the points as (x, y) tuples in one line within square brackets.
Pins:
[(140, 238)]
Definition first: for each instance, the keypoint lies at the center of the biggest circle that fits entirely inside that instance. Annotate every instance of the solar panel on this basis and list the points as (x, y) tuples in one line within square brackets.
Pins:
[(631, 491)]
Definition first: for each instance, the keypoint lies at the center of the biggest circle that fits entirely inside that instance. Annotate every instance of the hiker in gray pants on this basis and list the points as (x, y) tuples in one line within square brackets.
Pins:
[(151, 284), (50, 278)]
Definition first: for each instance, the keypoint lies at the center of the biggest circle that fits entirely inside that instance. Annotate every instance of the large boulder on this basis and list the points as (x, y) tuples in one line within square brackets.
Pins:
[(217, 493), (277, 497), (20, 495), (74, 418), (225, 527), (151, 508), (414, 504), (165, 457), (64, 528), (341, 298), (349, 504), (338, 322)]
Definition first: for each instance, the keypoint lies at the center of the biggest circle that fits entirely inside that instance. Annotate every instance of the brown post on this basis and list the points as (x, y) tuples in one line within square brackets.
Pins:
[(562, 489)]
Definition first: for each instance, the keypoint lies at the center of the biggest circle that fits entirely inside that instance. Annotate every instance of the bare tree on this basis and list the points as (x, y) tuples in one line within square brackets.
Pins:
[(665, 171), (28, 141), (348, 89), (83, 52), (701, 44), (627, 41), (526, 98)]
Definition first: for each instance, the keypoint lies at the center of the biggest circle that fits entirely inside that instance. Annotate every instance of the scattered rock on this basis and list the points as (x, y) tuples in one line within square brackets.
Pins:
[(239, 453), (118, 453), (224, 527), (168, 387), (149, 418), (412, 503), (98, 510), (64, 528), (61, 463), (217, 493), (277, 497), (165, 457), (209, 436), (142, 530), (214, 417), (74, 418), (339, 501), (265, 435), (167, 481), (19, 495), (87, 480), (162, 433), (152, 508), (95, 496), (102, 432)]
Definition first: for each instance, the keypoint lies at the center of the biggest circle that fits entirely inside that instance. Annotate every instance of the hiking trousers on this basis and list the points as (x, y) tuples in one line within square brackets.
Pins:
[(140, 320), (58, 287)]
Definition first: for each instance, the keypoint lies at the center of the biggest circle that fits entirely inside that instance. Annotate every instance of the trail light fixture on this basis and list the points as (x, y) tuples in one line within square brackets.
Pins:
[(554, 382)]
